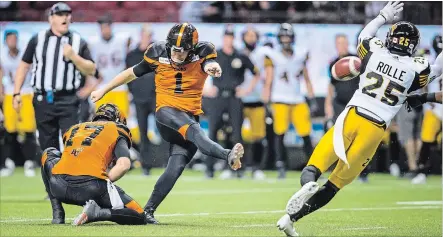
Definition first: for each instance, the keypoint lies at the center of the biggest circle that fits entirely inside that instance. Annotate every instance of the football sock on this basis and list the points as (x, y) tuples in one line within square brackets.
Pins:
[(257, 154), (174, 169), (307, 146), (424, 156), (321, 198), (208, 147), (279, 147), (309, 174), (30, 147)]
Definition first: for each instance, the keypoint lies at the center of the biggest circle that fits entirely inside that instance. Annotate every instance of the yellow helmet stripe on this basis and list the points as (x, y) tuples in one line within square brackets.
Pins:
[(180, 34)]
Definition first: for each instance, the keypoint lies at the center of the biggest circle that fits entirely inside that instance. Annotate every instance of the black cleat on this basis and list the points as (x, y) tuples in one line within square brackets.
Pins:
[(149, 216)]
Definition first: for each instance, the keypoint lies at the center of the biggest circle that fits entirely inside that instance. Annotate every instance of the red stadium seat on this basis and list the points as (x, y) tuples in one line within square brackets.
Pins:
[(120, 15), (103, 5), (43, 5), (76, 5), (24, 5), (30, 15), (134, 5)]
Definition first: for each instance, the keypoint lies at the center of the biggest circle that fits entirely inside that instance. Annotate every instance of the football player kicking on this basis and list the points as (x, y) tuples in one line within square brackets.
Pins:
[(181, 66), (79, 177), (388, 75)]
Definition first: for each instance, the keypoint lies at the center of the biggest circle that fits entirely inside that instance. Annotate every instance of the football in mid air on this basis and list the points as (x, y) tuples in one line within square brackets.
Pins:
[(346, 68)]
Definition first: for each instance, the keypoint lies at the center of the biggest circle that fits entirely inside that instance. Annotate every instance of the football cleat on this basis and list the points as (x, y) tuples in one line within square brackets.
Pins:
[(89, 213), (149, 216), (287, 226), (297, 200), (235, 155), (419, 179)]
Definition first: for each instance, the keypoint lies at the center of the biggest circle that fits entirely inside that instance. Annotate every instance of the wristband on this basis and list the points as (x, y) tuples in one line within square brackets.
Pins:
[(430, 97), (14, 95)]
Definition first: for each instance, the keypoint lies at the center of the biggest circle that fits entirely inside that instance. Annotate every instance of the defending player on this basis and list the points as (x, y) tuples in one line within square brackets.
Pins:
[(181, 66), (284, 92), (388, 75), (79, 177)]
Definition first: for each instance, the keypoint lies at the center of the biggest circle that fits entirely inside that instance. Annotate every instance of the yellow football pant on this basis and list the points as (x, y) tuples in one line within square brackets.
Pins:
[(431, 127), (298, 114), (24, 121), (119, 98), (256, 117), (361, 139)]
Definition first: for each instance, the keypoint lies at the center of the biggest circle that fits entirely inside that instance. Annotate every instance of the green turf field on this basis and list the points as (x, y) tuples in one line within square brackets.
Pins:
[(386, 206)]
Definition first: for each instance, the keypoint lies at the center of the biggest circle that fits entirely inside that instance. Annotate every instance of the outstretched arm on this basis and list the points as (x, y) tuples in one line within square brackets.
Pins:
[(387, 14)]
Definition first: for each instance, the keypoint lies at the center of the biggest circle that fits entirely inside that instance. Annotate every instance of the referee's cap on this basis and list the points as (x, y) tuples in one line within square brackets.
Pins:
[(59, 8)]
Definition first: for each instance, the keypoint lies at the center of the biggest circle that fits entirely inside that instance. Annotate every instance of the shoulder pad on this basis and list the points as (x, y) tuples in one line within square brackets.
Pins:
[(205, 50), (369, 44), (125, 133), (155, 51)]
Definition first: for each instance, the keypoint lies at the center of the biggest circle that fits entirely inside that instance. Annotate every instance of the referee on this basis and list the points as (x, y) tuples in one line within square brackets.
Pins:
[(59, 58)]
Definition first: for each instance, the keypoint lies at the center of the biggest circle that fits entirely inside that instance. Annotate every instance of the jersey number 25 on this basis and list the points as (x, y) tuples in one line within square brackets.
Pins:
[(388, 98)]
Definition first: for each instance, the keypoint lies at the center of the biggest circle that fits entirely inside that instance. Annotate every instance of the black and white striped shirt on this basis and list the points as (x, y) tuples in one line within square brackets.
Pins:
[(50, 70)]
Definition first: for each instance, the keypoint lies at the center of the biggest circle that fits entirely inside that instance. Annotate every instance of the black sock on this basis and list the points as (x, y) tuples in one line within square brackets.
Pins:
[(208, 147), (10, 142), (174, 169), (307, 146), (30, 147), (257, 154), (424, 157), (321, 198), (279, 148), (125, 216)]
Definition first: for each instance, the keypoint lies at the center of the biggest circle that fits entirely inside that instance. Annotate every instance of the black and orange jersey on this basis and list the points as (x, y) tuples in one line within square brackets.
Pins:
[(180, 87), (89, 148)]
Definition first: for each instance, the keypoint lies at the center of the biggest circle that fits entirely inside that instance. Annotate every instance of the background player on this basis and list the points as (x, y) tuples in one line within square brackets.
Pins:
[(431, 127), (181, 64), (369, 112), (22, 122), (109, 52), (284, 92), (79, 177)]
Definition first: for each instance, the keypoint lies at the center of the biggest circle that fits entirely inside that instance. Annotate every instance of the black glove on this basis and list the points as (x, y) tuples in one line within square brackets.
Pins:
[(415, 101), (313, 106)]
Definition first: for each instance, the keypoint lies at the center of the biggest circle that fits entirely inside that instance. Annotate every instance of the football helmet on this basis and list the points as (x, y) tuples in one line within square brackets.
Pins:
[(180, 42), (286, 29), (403, 38), (109, 112)]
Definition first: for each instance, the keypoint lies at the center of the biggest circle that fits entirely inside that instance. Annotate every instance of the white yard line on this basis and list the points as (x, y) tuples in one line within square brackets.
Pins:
[(251, 212), (365, 228), (421, 203), (254, 225)]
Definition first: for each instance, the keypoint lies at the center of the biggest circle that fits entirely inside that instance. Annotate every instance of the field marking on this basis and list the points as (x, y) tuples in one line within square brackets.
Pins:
[(254, 225), (421, 203), (365, 228), (252, 212)]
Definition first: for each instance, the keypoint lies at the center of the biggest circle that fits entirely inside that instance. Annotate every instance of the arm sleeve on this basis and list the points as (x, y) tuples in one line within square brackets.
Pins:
[(30, 50), (436, 68), (142, 68), (371, 28), (84, 52), (249, 65), (121, 149)]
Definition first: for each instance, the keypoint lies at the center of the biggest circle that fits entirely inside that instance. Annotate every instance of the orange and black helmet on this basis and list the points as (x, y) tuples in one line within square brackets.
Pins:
[(109, 112), (182, 36)]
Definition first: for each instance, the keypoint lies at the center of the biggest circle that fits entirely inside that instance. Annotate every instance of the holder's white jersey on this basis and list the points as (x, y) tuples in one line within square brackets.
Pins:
[(386, 79), (109, 57), (288, 71)]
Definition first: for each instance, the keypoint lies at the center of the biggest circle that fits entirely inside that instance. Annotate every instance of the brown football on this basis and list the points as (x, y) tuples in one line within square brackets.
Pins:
[(346, 68)]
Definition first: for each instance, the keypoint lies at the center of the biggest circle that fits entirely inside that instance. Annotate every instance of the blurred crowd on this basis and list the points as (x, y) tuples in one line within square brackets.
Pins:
[(428, 13)]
